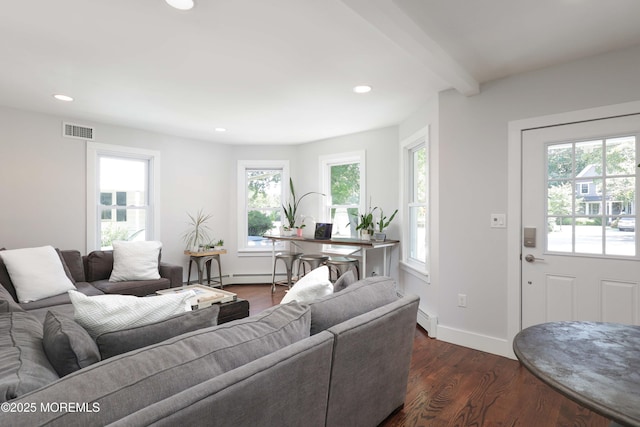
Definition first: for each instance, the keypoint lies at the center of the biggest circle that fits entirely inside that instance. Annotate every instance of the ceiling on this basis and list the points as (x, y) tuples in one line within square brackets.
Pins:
[(282, 71)]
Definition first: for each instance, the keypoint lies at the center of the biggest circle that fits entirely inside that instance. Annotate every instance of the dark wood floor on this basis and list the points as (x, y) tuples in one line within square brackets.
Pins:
[(450, 385)]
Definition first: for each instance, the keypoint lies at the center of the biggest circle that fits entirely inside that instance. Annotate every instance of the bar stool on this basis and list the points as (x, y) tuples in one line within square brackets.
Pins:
[(313, 260), (342, 265), (288, 258)]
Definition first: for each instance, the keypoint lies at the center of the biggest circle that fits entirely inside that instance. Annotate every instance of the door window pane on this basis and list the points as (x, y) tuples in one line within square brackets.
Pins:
[(591, 197)]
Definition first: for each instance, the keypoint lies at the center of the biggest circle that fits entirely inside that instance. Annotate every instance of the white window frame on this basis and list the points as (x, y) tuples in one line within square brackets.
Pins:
[(95, 150), (408, 146), (326, 162), (242, 230)]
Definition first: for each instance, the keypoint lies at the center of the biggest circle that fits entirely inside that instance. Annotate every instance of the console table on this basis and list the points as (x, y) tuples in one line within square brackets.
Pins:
[(361, 246), (594, 364), (203, 259)]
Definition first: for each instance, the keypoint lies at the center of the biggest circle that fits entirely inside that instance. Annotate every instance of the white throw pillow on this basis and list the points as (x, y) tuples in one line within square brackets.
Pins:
[(314, 285), (135, 261), (36, 273), (108, 313)]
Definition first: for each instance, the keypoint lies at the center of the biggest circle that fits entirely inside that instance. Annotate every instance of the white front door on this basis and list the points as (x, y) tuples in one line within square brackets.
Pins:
[(580, 253)]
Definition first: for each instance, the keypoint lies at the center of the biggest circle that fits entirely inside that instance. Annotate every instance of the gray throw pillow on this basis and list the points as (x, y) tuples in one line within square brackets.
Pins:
[(359, 298), (68, 346), (343, 281), (117, 342)]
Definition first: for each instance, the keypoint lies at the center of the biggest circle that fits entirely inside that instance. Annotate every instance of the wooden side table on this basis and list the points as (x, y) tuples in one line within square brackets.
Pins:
[(203, 259)]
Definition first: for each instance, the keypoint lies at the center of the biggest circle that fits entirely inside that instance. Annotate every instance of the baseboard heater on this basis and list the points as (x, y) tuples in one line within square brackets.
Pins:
[(428, 322)]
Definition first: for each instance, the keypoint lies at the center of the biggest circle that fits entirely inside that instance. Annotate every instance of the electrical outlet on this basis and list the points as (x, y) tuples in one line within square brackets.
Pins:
[(462, 300)]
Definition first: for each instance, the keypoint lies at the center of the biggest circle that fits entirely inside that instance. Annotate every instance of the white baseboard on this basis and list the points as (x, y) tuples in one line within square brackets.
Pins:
[(493, 345)]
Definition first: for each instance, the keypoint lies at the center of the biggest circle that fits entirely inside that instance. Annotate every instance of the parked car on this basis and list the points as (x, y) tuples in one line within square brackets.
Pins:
[(627, 224)]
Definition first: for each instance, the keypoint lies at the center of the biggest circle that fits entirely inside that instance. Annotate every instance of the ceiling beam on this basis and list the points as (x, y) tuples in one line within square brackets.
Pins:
[(388, 18)]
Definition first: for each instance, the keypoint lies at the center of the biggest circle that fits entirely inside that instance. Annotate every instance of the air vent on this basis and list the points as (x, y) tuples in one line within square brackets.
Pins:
[(71, 130)]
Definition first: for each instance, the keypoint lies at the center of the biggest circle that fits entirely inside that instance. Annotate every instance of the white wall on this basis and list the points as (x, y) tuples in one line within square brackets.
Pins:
[(43, 178), (473, 148)]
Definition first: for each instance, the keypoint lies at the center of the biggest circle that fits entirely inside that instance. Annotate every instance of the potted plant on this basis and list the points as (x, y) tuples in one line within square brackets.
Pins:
[(198, 232), (382, 224), (290, 211), (366, 224)]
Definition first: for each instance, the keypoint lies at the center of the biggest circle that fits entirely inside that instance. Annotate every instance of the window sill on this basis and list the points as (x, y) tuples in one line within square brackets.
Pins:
[(414, 271)]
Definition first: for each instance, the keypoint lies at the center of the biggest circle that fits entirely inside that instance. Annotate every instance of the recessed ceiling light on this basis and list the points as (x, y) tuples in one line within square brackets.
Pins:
[(181, 4), (61, 97), (362, 89), (221, 129)]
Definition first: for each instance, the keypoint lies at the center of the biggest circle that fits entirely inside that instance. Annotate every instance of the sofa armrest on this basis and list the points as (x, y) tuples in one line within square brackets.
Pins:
[(172, 272), (371, 360)]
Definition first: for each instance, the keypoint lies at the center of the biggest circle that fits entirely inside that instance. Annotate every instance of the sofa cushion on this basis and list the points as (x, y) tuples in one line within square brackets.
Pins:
[(36, 273), (344, 280), (7, 303), (139, 378), (73, 260), (362, 296), (24, 366), (311, 286), (135, 261), (98, 265), (139, 288), (55, 300), (68, 345), (107, 313), (113, 343)]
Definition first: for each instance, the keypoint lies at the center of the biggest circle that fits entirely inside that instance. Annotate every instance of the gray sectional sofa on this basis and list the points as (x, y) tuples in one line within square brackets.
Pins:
[(340, 360)]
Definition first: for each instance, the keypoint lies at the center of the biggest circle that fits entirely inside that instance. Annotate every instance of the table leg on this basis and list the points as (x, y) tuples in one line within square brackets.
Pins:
[(384, 260), (363, 273), (200, 262)]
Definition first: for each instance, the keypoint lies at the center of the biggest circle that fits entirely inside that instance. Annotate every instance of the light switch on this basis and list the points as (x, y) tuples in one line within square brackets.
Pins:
[(498, 220)]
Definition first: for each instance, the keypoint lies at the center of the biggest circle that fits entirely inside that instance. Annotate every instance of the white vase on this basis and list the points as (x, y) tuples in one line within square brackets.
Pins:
[(365, 235)]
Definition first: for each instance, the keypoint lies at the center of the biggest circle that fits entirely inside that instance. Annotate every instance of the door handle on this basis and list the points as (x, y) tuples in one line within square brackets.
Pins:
[(531, 258)]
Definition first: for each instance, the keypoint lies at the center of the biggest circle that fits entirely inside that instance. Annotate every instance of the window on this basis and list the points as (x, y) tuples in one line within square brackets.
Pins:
[(260, 195), (416, 200), (598, 217), (122, 194), (343, 184)]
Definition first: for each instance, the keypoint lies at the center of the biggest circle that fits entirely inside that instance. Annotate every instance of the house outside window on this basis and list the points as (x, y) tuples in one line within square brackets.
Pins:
[(122, 195), (343, 177), (260, 195)]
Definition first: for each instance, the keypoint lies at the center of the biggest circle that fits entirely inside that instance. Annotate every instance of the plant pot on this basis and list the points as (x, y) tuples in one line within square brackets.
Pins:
[(299, 232), (379, 237), (365, 235), (287, 233)]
